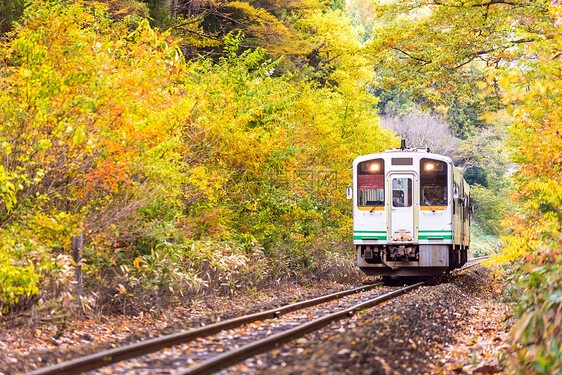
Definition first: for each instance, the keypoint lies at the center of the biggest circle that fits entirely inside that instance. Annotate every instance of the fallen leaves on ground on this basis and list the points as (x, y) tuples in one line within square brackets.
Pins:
[(26, 348), (456, 326)]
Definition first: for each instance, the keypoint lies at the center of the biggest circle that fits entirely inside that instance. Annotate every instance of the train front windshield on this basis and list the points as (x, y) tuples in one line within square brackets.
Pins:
[(401, 192), (433, 182), (370, 183)]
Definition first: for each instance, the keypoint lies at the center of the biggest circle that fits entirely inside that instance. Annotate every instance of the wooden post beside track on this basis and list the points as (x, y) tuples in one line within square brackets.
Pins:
[(77, 246)]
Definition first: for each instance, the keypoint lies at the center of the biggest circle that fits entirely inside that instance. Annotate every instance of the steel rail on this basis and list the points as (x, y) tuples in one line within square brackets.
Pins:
[(230, 358), (107, 357), (473, 262)]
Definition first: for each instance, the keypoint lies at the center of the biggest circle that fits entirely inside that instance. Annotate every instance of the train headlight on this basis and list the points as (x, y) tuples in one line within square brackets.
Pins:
[(428, 167), (375, 167)]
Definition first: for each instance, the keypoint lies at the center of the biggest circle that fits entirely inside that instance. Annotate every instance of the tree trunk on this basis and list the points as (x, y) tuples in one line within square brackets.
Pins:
[(172, 5)]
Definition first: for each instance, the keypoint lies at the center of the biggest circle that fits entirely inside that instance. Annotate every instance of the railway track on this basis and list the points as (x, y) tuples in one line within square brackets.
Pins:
[(474, 261), (108, 357), (267, 343), (202, 350)]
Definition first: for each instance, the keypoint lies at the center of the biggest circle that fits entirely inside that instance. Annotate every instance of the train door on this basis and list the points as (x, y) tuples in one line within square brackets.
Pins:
[(401, 206)]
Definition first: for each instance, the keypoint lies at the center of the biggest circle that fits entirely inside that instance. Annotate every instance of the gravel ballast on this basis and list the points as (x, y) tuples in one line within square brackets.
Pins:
[(441, 328)]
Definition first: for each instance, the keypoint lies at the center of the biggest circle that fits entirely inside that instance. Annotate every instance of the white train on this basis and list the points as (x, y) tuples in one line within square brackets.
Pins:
[(410, 213)]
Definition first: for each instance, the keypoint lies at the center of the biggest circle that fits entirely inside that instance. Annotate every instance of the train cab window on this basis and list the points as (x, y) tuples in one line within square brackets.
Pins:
[(370, 183), (433, 182), (401, 192)]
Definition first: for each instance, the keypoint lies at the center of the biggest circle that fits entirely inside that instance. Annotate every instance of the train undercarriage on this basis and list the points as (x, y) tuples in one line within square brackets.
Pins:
[(409, 259)]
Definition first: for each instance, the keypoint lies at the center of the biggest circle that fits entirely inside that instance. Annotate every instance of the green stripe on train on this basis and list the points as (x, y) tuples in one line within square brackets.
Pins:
[(423, 235), (369, 237), (435, 237)]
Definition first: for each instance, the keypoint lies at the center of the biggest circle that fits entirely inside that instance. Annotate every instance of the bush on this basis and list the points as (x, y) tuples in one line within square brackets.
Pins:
[(174, 171), (482, 242)]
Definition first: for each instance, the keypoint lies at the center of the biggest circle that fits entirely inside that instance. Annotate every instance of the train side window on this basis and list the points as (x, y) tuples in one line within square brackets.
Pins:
[(433, 182), (401, 192), (370, 183)]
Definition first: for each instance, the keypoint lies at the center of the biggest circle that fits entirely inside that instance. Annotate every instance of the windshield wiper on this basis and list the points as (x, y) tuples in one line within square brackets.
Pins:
[(427, 203)]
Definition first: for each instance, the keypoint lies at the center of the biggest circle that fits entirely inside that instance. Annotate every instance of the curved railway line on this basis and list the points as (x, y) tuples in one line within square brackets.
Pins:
[(474, 261), (188, 351)]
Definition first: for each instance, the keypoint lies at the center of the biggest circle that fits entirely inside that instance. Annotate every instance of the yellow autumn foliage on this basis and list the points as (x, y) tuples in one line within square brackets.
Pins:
[(105, 129)]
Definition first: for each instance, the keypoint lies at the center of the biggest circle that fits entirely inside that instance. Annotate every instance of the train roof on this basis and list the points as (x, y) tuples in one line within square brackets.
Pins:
[(421, 152)]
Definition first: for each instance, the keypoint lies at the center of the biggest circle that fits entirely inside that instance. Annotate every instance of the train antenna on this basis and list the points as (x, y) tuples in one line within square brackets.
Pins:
[(403, 144)]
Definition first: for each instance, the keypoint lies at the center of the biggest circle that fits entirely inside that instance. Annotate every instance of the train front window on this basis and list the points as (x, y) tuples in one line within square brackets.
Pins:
[(370, 183), (433, 182), (401, 192)]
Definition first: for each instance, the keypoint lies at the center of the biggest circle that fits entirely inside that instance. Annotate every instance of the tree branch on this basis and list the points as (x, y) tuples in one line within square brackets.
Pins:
[(190, 21), (410, 56), (220, 14), (487, 5), (493, 2), (485, 52)]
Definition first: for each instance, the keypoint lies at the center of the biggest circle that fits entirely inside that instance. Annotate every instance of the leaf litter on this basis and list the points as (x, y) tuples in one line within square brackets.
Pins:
[(455, 327), (28, 347)]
